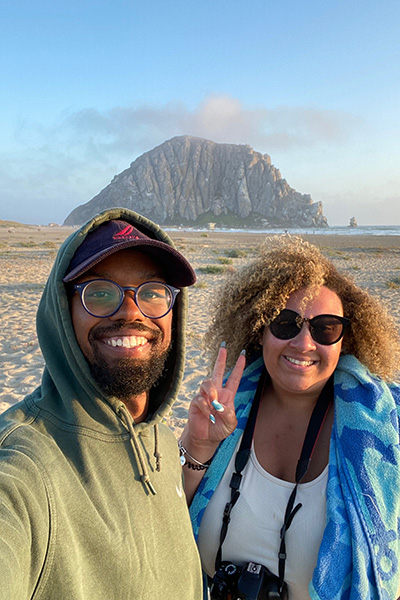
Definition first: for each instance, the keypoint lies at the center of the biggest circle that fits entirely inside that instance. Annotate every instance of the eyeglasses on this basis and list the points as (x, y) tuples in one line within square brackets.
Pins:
[(324, 329), (103, 298)]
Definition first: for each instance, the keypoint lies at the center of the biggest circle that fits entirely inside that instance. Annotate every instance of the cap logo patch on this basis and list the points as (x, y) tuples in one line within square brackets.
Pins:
[(126, 234)]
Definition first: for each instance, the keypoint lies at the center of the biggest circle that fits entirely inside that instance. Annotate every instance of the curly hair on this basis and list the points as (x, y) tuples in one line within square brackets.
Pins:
[(254, 295)]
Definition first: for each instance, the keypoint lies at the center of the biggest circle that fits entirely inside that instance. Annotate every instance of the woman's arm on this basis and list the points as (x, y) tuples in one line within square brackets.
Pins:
[(211, 419)]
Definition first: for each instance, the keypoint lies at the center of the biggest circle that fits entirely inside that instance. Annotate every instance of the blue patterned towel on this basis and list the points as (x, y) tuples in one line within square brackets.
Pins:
[(358, 557)]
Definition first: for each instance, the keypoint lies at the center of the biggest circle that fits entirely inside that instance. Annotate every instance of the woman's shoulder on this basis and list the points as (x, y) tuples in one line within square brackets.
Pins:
[(350, 368)]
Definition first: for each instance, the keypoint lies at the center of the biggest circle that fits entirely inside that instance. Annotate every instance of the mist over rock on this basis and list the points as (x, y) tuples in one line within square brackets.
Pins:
[(192, 181)]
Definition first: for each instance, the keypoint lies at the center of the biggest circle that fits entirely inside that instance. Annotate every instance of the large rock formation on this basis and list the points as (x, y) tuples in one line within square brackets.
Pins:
[(193, 181)]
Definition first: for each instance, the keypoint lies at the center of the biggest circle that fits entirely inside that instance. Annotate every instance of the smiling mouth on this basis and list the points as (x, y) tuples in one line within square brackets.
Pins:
[(131, 341), (301, 363)]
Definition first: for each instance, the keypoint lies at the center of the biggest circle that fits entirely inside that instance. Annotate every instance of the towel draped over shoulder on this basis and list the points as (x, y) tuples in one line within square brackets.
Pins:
[(360, 550)]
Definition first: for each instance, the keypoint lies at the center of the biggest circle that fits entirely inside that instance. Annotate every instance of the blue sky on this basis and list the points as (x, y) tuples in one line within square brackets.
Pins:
[(89, 85)]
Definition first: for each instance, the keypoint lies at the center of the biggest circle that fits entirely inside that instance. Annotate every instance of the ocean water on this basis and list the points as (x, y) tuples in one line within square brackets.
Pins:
[(361, 230)]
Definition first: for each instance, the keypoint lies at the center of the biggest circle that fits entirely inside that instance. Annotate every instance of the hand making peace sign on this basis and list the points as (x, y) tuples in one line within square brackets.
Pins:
[(212, 415)]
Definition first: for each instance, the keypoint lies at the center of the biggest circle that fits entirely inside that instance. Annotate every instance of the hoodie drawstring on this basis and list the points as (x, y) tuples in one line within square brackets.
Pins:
[(138, 451), (157, 453)]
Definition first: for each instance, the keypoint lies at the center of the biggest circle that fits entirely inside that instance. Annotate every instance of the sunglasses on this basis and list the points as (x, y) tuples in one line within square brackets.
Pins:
[(324, 329), (103, 298)]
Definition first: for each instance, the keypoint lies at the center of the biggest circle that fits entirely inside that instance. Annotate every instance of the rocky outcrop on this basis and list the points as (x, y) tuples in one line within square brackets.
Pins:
[(353, 223), (193, 181)]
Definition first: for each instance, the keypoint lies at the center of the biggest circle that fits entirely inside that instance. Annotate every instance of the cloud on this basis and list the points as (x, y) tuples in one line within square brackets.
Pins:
[(93, 135), (72, 159), (219, 118)]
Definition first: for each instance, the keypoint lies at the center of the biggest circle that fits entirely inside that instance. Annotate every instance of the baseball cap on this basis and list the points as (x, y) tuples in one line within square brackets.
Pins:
[(117, 235)]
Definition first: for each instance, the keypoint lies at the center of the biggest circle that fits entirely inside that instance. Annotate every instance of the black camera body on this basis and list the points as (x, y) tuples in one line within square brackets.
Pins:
[(251, 582)]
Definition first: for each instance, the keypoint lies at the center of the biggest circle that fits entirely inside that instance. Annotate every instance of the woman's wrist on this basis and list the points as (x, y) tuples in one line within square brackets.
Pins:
[(189, 460), (199, 453)]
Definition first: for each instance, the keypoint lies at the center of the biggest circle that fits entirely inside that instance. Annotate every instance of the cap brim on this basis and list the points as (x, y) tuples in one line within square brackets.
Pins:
[(178, 271)]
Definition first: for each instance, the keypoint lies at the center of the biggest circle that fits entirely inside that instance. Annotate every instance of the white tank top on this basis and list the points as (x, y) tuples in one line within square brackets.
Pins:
[(256, 520)]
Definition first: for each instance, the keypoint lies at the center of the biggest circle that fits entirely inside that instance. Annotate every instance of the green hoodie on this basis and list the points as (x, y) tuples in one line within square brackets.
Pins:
[(77, 520)]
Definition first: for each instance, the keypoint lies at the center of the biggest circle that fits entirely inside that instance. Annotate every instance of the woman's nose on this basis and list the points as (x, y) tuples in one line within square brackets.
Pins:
[(303, 339)]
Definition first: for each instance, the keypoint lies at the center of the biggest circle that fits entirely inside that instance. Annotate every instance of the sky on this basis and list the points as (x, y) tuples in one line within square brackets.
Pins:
[(87, 86)]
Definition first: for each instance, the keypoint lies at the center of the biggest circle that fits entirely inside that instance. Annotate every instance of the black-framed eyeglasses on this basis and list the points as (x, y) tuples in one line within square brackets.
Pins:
[(324, 329), (103, 297)]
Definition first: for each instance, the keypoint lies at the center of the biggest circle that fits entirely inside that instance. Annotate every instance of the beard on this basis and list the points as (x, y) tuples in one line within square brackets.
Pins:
[(128, 377)]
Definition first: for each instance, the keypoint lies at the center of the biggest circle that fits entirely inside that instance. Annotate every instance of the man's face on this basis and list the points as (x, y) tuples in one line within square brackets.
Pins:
[(126, 351)]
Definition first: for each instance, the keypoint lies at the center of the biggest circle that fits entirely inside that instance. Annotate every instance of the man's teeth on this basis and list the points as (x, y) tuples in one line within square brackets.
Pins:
[(303, 363), (127, 341)]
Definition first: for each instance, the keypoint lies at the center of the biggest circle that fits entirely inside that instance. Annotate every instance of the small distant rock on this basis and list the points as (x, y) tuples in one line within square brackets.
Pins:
[(353, 223)]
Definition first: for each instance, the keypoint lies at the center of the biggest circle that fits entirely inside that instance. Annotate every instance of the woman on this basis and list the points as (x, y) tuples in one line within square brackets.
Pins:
[(310, 490)]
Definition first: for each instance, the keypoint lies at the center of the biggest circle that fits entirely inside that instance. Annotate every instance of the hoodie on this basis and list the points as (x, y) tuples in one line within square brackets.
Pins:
[(92, 504)]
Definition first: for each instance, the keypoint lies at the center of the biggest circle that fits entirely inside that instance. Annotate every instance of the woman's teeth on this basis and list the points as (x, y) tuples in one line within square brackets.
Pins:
[(302, 363)]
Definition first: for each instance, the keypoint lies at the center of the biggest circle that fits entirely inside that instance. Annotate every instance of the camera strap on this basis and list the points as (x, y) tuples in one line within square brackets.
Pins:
[(314, 428)]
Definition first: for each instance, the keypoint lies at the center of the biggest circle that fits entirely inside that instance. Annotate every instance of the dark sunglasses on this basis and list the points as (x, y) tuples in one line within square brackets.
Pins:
[(324, 329), (103, 298)]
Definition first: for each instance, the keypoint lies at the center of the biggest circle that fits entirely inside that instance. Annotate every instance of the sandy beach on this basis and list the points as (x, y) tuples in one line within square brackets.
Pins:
[(27, 255)]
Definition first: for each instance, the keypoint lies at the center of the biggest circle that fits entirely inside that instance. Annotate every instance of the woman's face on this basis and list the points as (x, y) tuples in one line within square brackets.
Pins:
[(301, 365)]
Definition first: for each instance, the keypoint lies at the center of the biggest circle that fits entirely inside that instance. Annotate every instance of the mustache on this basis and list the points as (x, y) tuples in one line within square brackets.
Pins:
[(120, 327)]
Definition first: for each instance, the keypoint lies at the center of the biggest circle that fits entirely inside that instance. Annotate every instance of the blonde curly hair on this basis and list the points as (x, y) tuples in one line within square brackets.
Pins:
[(254, 295)]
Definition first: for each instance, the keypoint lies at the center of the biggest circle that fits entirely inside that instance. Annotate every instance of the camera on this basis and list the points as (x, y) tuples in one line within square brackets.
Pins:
[(251, 582), (223, 584)]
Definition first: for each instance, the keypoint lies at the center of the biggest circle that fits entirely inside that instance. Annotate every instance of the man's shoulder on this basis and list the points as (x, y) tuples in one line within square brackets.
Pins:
[(13, 417), (18, 428)]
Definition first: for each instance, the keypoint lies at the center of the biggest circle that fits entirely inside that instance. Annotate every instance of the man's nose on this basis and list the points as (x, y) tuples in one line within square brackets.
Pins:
[(129, 310)]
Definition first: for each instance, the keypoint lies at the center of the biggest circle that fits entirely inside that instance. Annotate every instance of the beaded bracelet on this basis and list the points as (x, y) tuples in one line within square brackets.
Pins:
[(195, 465)]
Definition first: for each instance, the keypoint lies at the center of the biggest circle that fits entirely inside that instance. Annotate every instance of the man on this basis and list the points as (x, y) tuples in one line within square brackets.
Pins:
[(91, 501)]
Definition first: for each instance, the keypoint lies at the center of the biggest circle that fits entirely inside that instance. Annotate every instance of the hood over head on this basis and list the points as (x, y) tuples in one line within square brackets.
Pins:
[(67, 377)]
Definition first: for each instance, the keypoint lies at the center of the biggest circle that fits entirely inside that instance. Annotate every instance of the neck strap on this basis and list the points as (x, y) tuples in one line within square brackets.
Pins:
[(314, 428)]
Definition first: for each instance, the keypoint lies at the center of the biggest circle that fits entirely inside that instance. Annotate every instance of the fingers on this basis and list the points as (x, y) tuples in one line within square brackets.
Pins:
[(209, 390), (219, 368), (212, 393), (234, 378), (201, 403), (207, 397)]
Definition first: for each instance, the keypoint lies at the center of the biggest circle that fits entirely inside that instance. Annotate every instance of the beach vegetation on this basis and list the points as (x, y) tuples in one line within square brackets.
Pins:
[(236, 253), (212, 269), (27, 244), (224, 260), (200, 285), (394, 284), (334, 253)]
